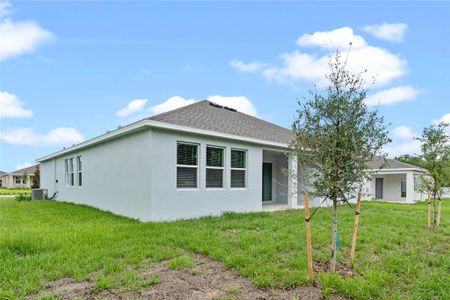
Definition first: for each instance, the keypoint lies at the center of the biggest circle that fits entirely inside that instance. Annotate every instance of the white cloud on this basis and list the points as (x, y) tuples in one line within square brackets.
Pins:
[(334, 39), (446, 119), (404, 147), (132, 107), (247, 67), (170, 104), (12, 107), (393, 32), (240, 103), (19, 37), (23, 166), (403, 133), (383, 65), (27, 136), (402, 142), (393, 95)]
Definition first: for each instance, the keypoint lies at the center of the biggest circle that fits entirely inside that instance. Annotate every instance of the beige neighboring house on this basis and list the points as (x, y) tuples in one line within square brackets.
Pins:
[(14, 179)]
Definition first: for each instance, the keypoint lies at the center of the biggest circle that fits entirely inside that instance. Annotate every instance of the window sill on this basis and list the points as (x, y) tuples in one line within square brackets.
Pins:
[(188, 189)]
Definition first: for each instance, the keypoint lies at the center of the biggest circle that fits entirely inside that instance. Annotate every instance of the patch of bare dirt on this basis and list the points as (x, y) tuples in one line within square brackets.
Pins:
[(342, 269), (208, 279)]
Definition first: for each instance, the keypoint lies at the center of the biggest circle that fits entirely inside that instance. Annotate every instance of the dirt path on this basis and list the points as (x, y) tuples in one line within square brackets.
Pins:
[(208, 279)]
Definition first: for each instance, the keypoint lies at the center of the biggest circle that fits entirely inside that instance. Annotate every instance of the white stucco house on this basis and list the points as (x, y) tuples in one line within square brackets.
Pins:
[(201, 159), (392, 180)]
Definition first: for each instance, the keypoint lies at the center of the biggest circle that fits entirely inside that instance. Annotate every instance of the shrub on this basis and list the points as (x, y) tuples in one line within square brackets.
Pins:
[(23, 197)]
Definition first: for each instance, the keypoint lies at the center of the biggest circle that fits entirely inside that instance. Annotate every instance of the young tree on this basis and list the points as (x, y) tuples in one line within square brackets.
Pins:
[(24, 179), (35, 182), (336, 136), (435, 146)]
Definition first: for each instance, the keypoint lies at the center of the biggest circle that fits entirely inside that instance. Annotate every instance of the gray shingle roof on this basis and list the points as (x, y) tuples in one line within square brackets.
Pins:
[(29, 170), (210, 116), (380, 163), (2, 173)]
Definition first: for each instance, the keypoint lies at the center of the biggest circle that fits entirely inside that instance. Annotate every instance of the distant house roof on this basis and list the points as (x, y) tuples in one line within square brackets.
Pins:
[(2, 173), (211, 116), (381, 163), (29, 170)]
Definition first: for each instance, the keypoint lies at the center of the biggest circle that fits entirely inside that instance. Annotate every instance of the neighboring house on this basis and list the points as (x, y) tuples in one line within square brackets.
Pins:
[(1, 175), (201, 159), (393, 180), (15, 178)]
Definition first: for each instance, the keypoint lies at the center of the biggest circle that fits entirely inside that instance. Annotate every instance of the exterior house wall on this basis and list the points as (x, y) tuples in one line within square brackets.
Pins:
[(115, 176), (170, 203), (279, 178)]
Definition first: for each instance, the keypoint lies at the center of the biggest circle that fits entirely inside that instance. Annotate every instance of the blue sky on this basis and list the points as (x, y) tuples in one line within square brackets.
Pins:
[(72, 70)]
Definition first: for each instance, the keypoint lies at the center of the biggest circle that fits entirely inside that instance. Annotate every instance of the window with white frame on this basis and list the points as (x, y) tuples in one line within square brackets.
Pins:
[(238, 168), (187, 165), (71, 171), (66, 169), (214, 167), (79, 170), (18, 180)]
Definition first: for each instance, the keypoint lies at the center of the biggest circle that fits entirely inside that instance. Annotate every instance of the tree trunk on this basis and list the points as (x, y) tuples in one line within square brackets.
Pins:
[(333, 244)]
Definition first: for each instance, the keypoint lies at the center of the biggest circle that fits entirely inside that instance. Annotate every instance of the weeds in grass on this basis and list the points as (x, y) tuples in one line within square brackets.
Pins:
[(182, 262)]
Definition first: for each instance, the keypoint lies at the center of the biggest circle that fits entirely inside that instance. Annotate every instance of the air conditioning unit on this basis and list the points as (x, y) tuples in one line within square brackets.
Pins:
[(39, 194)]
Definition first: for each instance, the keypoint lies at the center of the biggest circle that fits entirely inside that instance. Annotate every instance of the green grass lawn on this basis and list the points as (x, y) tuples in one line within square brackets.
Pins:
[(397, 256), (14, 191)]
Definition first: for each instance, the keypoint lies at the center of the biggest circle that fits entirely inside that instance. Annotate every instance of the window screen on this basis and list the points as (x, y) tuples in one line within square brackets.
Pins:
[(214, 167), (187, 165)]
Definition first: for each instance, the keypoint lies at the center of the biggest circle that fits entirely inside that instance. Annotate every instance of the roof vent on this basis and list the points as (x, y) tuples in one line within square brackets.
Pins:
[(215, 105), (229, 108)]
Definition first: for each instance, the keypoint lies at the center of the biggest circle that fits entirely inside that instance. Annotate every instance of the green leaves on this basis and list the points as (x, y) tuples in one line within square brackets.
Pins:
[(336, 134)]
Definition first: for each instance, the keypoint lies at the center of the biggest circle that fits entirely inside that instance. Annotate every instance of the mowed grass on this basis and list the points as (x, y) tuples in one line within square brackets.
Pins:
[(398, 257)]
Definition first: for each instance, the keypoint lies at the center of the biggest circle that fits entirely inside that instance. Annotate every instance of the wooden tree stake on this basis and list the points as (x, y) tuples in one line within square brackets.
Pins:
[(439, 212), (308, 240), (429, 209), (355, 227)]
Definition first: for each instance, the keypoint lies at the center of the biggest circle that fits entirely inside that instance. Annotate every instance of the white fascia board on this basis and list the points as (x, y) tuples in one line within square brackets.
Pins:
[(395, 171), (155, 124)]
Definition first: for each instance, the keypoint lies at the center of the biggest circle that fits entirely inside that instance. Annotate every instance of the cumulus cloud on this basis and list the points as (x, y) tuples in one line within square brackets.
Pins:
[(446, 119), (247, 67), (170, 104), (393, 32), (334, 39), (402, 142), (132, 108), (240, 103), (393, 95), (19, 37), (63, 136), (383, 65), (23, 166), (12, 107)]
